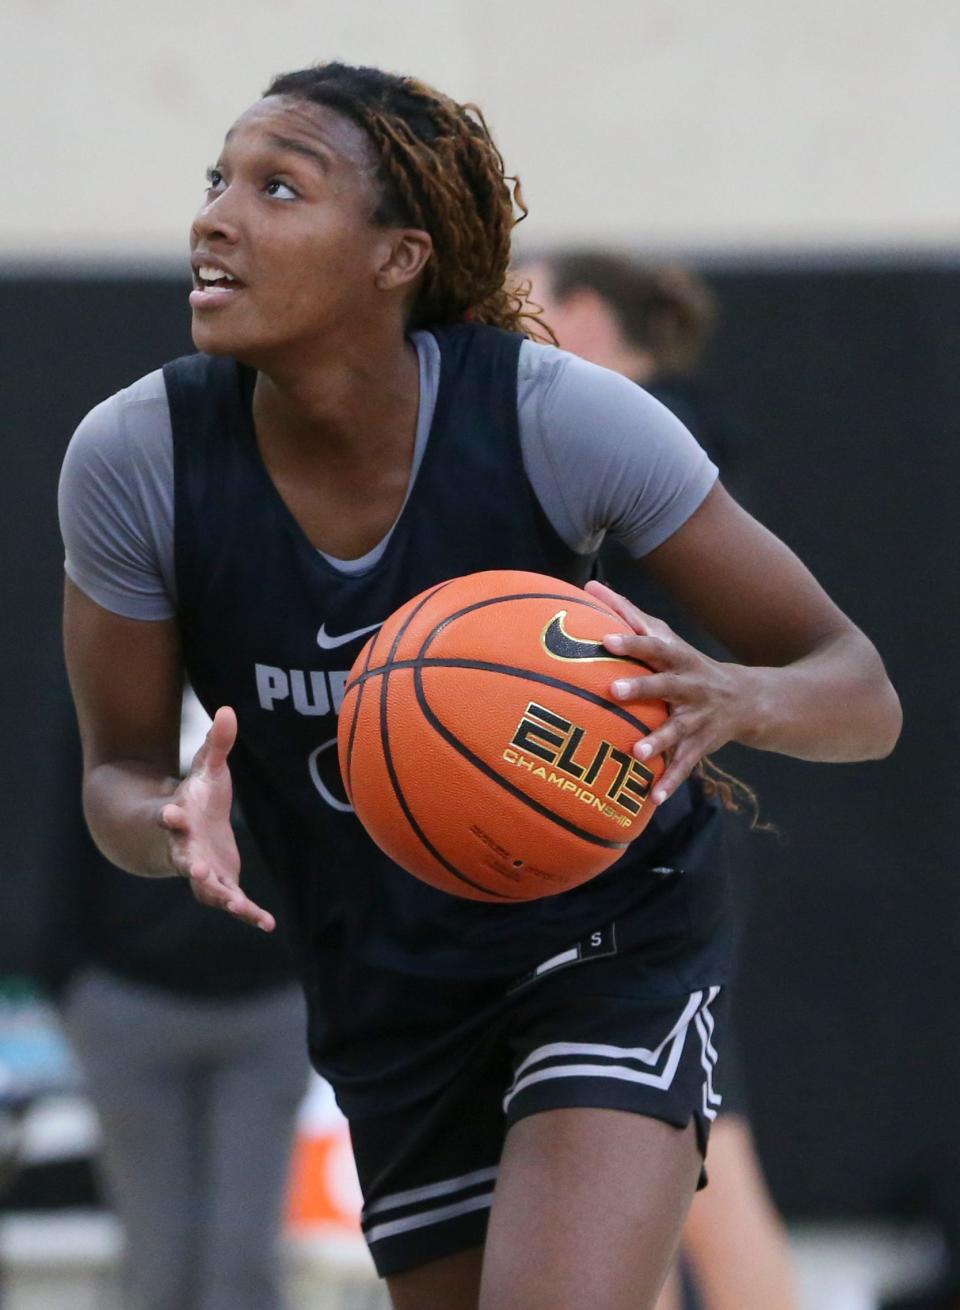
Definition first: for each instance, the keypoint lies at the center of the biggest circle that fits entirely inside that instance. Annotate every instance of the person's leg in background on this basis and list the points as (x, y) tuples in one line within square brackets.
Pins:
[(251, 1098), (146, 1097), (734, 1240), (671, 1298)]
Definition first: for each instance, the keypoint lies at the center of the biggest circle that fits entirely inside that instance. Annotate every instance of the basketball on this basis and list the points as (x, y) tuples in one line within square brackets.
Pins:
[(480, 746)]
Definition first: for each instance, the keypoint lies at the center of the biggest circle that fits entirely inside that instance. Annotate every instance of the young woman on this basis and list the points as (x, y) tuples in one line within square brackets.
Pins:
[(366, 420), (652, 324)]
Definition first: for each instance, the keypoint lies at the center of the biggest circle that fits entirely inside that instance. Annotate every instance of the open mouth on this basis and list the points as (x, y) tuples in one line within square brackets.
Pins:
[(207, 278), (213, 287)]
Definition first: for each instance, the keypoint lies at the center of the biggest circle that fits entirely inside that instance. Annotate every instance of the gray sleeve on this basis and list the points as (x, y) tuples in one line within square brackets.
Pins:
[(116, 503), (603, 456)]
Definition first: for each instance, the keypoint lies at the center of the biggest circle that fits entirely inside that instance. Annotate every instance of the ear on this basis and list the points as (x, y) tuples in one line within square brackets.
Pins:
[(404, 258)]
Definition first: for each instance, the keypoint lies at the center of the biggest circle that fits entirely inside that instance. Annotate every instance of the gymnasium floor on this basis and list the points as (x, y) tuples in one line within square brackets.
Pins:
[(68, 1262)]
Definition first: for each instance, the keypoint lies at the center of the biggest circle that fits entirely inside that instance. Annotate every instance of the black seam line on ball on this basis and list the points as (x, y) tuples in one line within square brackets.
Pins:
[(412, 615), (356, 720), (491, 773), (398, 636), (527, 675), (527, 595), (398, 790), (481, 604)]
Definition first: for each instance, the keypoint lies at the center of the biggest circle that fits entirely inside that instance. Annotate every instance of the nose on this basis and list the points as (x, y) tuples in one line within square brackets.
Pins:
[(217, 219)]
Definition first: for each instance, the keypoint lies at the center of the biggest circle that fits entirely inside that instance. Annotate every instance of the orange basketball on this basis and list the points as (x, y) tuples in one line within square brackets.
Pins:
[(479, 743)]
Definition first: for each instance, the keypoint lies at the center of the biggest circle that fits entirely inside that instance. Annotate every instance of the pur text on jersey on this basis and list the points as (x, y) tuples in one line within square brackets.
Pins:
[(312, 692)]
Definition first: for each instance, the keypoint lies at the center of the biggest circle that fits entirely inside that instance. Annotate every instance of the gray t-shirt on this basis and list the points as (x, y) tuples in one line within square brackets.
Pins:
[(600, 453)]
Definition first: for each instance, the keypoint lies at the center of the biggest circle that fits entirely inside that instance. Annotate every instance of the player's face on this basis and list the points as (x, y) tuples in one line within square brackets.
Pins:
[(287, 218)]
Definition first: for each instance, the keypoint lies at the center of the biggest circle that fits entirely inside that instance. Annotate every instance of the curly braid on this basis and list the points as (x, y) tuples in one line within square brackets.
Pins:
[(437, 169)]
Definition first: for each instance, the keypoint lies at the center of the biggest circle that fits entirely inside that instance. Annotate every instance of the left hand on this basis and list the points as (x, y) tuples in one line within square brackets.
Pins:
[(202, 847), (705, 696)]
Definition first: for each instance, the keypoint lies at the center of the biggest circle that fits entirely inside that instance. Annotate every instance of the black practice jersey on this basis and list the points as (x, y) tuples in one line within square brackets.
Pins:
[(271, 627)]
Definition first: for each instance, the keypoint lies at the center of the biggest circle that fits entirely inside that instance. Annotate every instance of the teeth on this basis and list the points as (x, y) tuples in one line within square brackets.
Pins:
[(210, 274)]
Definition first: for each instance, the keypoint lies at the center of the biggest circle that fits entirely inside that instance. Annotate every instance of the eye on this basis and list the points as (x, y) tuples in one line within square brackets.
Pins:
[(280, 190), (215, 180)]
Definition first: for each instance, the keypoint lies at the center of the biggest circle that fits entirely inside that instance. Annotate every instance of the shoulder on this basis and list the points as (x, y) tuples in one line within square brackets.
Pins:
[(556, 380), (122, 449), (604, 455), (138, 416), (581, 412), (148, 392), (116, 502)]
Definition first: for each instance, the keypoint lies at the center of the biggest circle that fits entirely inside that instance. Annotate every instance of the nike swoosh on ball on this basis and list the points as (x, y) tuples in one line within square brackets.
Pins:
[(563, 646)]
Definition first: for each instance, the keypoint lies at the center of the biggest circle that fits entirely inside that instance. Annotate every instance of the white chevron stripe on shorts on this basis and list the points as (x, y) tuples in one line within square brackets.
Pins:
[(390, 1227), (708, 1056), (429, 1192), (672, 1044)]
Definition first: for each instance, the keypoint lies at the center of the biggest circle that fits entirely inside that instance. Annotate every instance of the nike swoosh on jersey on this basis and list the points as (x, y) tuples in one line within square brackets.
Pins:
[(326, 641), (558, 643)]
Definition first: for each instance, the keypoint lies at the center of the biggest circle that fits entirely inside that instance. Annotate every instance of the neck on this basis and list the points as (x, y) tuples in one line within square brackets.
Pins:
[(349, 401)]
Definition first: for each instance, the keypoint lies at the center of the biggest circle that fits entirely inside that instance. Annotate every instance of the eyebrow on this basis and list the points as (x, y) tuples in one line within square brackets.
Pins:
[(318, 154)]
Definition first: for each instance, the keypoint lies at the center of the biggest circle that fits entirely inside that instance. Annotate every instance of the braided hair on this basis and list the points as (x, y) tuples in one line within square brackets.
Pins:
[(437, 169)]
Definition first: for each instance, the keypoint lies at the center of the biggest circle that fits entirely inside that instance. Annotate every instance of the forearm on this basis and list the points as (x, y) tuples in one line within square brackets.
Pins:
[(835, 704), (122, 802)]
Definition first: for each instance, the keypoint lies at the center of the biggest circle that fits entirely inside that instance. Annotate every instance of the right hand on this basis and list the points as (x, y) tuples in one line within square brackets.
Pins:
[(202, 846)]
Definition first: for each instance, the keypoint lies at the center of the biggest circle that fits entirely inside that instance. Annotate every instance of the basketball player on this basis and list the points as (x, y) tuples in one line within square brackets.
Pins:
[(651, 324), (366, 420)]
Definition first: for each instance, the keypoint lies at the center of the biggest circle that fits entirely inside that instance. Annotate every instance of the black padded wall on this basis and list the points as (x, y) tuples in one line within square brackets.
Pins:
[(841, 391)]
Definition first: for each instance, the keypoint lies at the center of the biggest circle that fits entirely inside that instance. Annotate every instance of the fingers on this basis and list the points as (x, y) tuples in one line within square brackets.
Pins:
[(669, 740), (222, 736), (678, 767), (218, 743), (629, 612), (676, 772), (174, 818), (663, 683), (697, 690), (666, 785), (219, 894), (681, 743), (209, 887), (687, 734)]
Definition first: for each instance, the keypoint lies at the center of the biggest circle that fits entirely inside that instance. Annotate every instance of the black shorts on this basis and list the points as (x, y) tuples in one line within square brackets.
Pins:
[(572, 1037)]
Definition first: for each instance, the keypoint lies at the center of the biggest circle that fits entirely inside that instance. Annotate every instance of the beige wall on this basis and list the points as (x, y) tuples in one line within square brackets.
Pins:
[(671, 123)]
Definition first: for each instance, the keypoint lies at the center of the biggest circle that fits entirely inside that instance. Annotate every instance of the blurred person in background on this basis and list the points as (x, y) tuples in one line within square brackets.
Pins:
[(189, 1030), (652, 324)]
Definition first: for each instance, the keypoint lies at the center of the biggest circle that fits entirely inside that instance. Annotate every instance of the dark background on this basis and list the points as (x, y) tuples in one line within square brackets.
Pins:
[(841, 389)]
